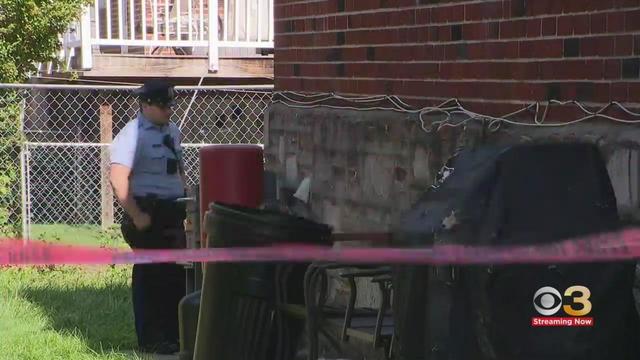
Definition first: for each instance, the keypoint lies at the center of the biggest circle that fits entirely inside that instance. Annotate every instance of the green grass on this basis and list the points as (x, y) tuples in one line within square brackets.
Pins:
[(81, 234), (66, 313), (78, 234)]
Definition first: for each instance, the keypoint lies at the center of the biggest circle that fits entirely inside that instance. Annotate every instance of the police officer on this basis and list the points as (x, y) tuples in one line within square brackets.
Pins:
[(147, 175)]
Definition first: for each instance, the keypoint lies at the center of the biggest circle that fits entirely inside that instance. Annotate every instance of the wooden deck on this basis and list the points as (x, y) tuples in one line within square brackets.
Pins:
[(249, 70)]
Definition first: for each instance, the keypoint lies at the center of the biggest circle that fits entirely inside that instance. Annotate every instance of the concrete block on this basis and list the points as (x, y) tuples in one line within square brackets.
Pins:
[(403, 200), (320, 132), (270, 162), (304, 171), (382, 147), (306, 142), (291, 170), (322, 189), (377, 177), (353, 158), (298, 127), (317, 207), (322, 166), (623, 166), (353, 191), (276, 120), (354, 218), (354, 176), (339, 158), (305, 158), (421, 165), (347, 136), (331, 215), (292, 142), (402, 179), (340, 189), (281, 149)]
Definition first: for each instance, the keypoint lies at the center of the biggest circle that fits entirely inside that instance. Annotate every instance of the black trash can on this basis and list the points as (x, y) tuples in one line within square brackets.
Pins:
[(238, 304), (188, 311)]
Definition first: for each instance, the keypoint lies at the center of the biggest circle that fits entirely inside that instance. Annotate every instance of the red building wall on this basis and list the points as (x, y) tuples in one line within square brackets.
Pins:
[(494, 56), (368, 167)]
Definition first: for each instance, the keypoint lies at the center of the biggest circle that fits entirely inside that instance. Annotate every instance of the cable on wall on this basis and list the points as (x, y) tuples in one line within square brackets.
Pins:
[(452, 109)]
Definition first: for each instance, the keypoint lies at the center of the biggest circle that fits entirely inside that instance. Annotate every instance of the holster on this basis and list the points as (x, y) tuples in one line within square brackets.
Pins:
[(167, 225)]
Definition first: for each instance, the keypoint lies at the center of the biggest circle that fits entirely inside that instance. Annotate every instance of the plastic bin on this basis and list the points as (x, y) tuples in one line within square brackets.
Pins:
[(238, 311)]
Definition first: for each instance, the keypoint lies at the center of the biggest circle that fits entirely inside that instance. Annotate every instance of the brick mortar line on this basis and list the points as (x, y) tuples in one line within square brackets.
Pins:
[(454, 61), (430, 24), (410, 7), (301, 2), (534, 81), (516, 102), (387, 10), (553, 37)]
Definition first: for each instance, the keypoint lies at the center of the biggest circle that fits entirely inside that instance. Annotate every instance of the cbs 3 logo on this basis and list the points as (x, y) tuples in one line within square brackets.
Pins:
[(548, 301)]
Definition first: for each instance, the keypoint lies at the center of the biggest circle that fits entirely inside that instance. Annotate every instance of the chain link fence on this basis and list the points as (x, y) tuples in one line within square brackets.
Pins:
[(66, 131)]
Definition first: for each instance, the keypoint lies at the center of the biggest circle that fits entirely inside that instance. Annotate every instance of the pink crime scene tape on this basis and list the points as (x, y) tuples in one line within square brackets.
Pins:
[(613, 246)]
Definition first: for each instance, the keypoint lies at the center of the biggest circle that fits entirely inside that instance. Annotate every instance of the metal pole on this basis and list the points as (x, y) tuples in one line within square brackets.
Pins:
[(197, 269), (192, 234), (27, 177), (24, 178), (23, 191)]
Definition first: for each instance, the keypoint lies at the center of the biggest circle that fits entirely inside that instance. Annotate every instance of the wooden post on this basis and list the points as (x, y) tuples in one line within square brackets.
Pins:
[(106, 136), (214, 65)]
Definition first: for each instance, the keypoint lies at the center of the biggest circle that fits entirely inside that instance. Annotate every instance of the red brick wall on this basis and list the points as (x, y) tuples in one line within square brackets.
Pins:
[(492, 55)]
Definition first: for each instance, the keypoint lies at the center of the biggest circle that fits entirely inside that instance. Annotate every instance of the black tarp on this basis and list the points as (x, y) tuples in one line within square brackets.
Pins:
[(512, 195)]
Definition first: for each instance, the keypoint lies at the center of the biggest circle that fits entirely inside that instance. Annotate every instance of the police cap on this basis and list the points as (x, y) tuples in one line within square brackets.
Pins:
[(156, 91)]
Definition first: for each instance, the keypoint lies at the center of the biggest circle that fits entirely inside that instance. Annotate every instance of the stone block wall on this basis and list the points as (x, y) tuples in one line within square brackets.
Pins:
[(368, 167)]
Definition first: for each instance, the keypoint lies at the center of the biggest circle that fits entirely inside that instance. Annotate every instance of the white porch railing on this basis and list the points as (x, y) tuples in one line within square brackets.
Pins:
[(171, 23)]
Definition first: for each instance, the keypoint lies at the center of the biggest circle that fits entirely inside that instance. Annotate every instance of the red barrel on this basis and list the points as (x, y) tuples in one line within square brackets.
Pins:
[(231, 174)]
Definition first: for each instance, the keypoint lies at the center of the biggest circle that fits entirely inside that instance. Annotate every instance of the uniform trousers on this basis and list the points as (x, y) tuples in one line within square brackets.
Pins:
[(157, 288)]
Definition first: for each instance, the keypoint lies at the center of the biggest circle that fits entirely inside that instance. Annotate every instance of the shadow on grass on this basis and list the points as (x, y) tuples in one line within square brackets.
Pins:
[(101, 315)]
